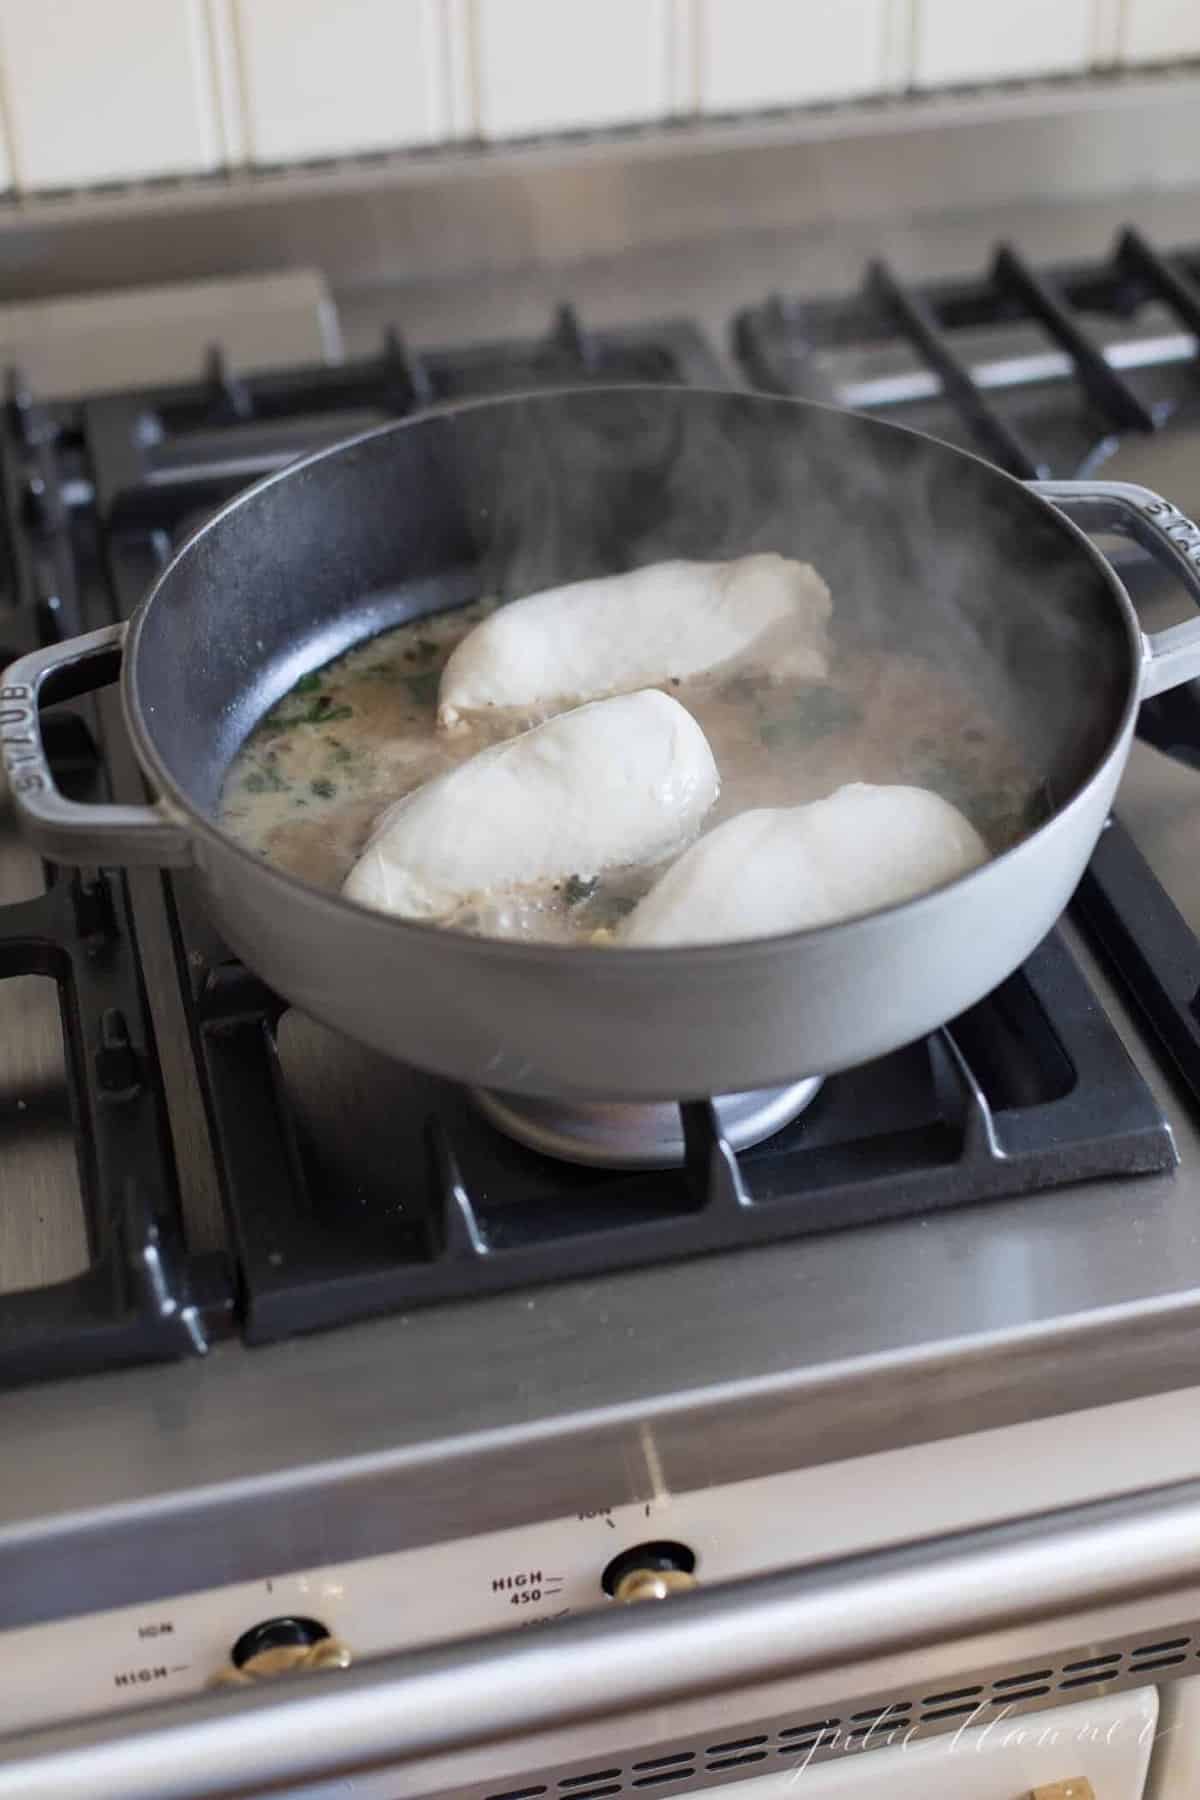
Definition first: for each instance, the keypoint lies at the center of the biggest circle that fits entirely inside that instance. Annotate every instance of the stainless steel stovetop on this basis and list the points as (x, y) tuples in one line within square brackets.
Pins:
[(493, 1412)]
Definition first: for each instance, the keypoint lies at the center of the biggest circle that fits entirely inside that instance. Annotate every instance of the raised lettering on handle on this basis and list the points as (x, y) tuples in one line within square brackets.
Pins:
[(1181, 530), (21, 740), (66, 830)]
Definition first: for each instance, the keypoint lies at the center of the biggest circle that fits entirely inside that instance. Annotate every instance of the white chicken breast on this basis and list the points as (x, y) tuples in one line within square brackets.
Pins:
[(618, 633), (780, 869), (621, 781)]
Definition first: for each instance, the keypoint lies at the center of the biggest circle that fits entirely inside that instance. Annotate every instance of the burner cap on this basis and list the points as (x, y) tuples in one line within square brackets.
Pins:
[(618, 1135)]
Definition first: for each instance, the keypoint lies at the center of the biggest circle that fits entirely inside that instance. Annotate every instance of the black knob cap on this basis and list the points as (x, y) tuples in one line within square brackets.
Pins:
[(276, 1634)]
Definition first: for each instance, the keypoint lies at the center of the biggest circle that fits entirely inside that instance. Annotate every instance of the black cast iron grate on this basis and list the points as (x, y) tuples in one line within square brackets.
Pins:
[(1049, 405), (161, 458), (356, 1187), (1148, 944), (142, 1296)]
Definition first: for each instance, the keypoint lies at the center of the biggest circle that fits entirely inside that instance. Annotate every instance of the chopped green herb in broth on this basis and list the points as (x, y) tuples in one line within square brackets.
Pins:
[(349, 739), (266, 780), (806, 714), (575, 889), (321, 711), (424, 687)]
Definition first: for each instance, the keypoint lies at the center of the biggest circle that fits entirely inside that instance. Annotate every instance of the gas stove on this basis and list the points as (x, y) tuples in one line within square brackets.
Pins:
[(349, 1186), (401, 1375)]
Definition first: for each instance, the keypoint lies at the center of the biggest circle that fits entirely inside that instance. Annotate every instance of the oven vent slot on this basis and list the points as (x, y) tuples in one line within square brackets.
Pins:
[(1090, 1671), (875, 1714), (1166, 1654), (594, 1775), (955, 1703), (879, 1721), (797, 1747), (660, 1769)]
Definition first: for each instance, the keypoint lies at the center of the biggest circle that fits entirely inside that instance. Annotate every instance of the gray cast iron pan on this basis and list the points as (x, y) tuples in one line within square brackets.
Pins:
[(923, 546)]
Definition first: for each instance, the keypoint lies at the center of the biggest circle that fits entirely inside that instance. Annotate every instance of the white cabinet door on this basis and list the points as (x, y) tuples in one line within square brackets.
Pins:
[(958, 41), (548, 65), (1157, 30), (1104, 1743), (754, 53), (107, 92), (323, 79)]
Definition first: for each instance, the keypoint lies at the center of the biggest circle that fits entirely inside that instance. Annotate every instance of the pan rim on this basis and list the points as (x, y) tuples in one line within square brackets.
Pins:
[(587, 957)]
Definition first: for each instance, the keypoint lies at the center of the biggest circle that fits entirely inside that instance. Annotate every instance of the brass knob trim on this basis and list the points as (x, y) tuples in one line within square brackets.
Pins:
[(651, 1571), (652, 1584), (285, 1659)]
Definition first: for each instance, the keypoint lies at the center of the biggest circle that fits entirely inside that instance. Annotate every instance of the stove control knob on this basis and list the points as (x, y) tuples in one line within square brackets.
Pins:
[(652, 1584), (650, 1572), (284, 1646)]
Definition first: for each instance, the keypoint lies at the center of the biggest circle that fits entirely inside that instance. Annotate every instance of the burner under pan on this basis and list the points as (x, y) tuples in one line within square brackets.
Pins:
[(640, 1137)]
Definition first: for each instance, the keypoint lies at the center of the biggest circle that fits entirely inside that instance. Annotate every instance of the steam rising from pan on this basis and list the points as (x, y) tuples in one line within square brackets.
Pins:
[(904, 532)]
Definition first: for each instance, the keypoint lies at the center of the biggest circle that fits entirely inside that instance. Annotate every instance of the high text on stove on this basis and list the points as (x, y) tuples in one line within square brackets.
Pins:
[(129, 1678), (527, 1586)]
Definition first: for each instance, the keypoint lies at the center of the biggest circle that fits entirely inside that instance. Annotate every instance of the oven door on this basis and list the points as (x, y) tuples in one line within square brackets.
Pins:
[(995, 1663)]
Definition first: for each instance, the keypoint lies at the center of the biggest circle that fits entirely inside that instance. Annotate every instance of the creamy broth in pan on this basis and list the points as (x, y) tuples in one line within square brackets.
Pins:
[(308, 784)]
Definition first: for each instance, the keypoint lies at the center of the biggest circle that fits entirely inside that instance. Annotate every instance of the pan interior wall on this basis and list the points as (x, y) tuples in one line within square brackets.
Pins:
[(927, 551)]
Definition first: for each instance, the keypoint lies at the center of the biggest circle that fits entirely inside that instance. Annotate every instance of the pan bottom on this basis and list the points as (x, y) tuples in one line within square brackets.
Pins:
[(620, 1135)]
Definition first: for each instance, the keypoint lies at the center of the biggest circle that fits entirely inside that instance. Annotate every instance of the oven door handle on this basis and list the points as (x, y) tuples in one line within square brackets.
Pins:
[(832, 1621)]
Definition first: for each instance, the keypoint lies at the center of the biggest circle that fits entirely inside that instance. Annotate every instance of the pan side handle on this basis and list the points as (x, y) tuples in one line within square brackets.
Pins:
[(1170, 537), (64, 830)]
